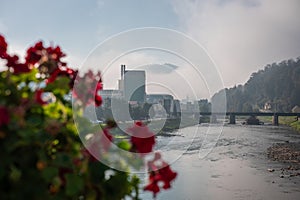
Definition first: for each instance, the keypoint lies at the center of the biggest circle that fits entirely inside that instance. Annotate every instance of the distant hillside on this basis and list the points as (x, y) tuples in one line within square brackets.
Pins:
[(275, 88)]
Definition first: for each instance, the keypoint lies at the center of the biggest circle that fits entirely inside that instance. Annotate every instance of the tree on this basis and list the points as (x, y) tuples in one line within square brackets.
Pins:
[(277, 82)]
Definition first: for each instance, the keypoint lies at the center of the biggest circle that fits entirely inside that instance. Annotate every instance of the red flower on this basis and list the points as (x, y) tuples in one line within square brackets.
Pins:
[(152, 187), (167, 175), (53, 76), (159, 173), (55, 53), (39, 46), (21, 68), (34, 53), (47, 58), (3, 47), (32, 57), (62, 72), (88, 89), (98, 100), (38, 97), (142, 139), (12, 60), (73, 77), (99, 86), (4, 116)]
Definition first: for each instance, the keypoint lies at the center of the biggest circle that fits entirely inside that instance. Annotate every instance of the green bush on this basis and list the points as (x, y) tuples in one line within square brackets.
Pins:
[(42, 156)]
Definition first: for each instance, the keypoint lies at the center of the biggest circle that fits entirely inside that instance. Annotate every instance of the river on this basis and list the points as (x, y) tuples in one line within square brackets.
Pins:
[(236, 168)]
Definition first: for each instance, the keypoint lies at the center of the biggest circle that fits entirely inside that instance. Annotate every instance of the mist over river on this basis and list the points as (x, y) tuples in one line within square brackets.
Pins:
[(236, 168)]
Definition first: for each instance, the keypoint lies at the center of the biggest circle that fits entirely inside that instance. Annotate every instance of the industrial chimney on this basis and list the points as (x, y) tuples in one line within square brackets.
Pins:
[(122, 72)]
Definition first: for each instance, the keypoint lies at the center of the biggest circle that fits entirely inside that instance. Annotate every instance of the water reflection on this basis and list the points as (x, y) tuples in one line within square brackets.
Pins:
[(235, 169)]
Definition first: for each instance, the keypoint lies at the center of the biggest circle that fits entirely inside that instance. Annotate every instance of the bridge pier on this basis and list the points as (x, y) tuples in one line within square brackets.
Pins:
[(231, 119), (275, 120), (213, 119), (231, 115)]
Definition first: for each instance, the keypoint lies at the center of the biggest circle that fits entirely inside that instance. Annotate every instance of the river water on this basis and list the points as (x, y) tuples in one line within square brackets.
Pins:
[(236, 168)]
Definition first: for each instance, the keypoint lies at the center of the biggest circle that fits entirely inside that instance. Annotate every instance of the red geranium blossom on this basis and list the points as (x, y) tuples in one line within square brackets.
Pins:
[(98, 100), (47, 58), (65, 71), (56, 53), (3, 47), (160, 171), (167, 175), (88, 88), (12, 61), (4, 116), (34, 53), (152, 186), (142, 139), (21, 68)]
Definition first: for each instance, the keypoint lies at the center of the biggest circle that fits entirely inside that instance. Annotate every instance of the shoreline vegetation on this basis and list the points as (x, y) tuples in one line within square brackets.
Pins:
[(292, 122), (263, 91), (286, 121), (283, 121)]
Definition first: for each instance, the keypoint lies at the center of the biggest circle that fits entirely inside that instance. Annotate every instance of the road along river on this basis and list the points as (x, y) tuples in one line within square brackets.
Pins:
[(237, 167)]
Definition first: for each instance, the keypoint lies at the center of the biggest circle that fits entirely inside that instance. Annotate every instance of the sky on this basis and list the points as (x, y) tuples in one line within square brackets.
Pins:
[(239, 36)]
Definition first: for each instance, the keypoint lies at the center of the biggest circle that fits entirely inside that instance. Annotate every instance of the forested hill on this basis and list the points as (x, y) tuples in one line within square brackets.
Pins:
[(275, 88)]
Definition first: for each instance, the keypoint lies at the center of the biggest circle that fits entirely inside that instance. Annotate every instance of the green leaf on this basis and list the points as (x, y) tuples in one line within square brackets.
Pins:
[(15, 174), (63, 160), (59, 87), (124, 145), (117, 186), (34, 120), (74, 184), (135, 180), (25, 77), (97, 170), (49, 173), (55, 110)]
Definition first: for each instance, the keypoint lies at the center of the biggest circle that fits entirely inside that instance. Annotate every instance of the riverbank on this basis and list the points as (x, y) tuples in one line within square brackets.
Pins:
[(291, 121), (287, 153), (288, 121), (295, 125)]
